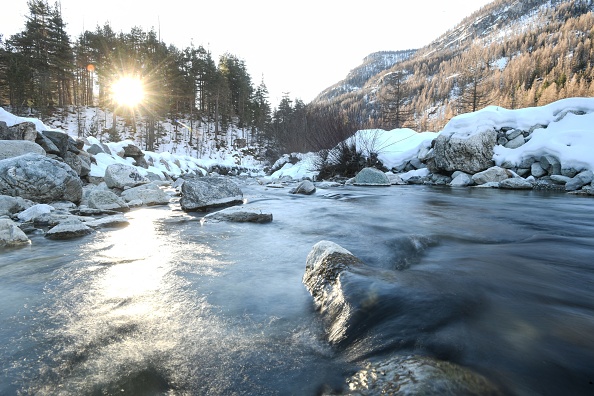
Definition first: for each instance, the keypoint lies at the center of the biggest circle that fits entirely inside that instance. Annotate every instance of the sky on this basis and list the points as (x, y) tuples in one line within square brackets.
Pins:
[(298, 48)]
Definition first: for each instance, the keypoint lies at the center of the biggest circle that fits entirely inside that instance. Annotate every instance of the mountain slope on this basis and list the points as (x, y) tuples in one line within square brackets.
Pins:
[(510, 53)]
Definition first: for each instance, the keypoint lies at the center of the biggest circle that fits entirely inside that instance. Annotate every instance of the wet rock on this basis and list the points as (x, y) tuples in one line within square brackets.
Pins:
[(493, 174), (121, 176), (418, 375), (15, 148), (40, 179), (239, 214), (69, 229), (306, 187), (389, 309), (148, 194), (560, 179), (109, 221), (371, 177), (515, 183), (11, 234), (203, 193)]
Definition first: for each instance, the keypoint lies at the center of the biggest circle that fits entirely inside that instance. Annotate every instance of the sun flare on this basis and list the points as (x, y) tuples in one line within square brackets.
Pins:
[(128, 91)]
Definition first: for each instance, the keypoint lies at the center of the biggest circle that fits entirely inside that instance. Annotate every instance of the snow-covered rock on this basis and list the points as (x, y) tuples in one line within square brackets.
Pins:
[(493, 174), (306, 187), (69, 229)]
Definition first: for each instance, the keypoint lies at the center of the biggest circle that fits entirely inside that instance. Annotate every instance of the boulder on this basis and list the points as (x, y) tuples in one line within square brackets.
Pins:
[(306, 187), (69, 229), (461, 180), (467, 152), (493, 174), (15, 148), (22, 131), (34, 211), (516, 142), (149, 194), (11, 205), (47, 144), (395, 179), (515, 183), (105, 200), (579, 180), (537, 170), (418, 375), (60, 139), (121, 176), (239, 214), (371, 177), (40, 179), (551, 164), (209, 192), (11, 234)]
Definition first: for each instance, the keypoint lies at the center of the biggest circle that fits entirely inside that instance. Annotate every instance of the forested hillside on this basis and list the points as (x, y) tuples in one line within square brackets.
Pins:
[(510, 53), (45, 72)]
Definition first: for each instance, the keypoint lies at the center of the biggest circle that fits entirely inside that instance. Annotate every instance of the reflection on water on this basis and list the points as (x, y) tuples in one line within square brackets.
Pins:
[(500, 282)]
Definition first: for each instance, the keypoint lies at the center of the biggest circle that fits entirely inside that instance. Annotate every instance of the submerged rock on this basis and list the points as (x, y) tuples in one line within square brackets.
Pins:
[(305, 187), (239, 214), (418, 375)]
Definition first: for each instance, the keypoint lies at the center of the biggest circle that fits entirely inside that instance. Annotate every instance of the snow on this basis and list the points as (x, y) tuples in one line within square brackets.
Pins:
[(394, 147), (11, 119), (563, 129)]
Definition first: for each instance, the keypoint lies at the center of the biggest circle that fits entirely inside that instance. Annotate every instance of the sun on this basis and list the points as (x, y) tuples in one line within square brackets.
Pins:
[(128, 91)]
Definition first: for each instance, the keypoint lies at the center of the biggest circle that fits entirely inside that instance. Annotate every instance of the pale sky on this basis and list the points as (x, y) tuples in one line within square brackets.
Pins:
[(301, 47)]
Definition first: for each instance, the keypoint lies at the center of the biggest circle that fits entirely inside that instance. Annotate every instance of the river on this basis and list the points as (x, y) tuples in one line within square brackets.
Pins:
[(171, 306)]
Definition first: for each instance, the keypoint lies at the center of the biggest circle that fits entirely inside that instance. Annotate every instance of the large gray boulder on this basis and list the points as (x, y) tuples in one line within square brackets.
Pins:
[(105, 200), (11, 234), (371, 177), (466, 152), (40, 179), (149, 194), (12, 205), (15, 148), (69, 229), (579, 180), (121, 176), (22, 131), (203, 193)]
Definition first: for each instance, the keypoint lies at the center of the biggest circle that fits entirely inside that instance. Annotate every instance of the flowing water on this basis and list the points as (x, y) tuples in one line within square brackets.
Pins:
[(501, 282)]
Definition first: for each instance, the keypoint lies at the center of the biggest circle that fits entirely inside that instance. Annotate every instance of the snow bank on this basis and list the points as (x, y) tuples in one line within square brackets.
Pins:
[(564, 129), (11, 119), (394, 147)]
